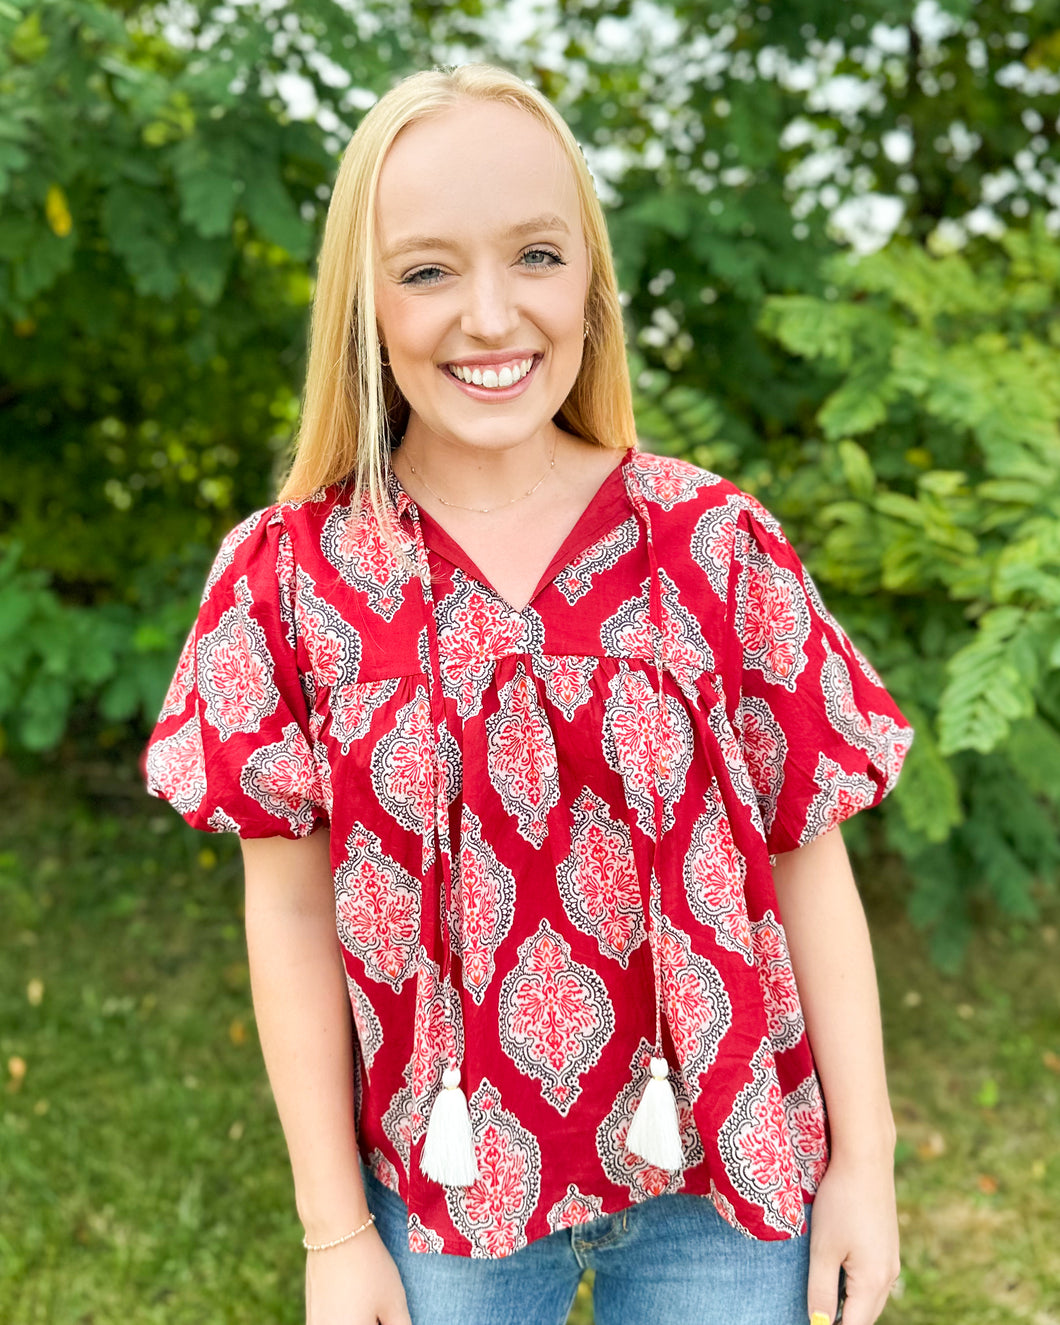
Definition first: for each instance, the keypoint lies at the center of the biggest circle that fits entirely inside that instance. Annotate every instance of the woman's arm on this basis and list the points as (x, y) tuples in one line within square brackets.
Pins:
[(854, 1220), (302, 1010)]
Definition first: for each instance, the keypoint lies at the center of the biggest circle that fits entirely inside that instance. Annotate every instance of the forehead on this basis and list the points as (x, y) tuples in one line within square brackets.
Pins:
[(477, 168)]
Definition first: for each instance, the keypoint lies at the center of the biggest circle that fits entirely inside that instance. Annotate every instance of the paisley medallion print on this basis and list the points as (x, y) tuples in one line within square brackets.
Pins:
[(227, 551), (773, 619), (805, 1112), (573, 1209), (642, 742), (377, 909), (732, 752), (840, 794), (666, 481), (716, 876), (221, 822), (695, 1002), (405, 1120), (485, 905), (555, 1016), (523, 766), (568, 681), (354, 544), (286, 780), (381, 690), (422, 1238), (286, 579), (576, 579), (235, 670), (765, 748), (403, 768), (598, 880), (176, 767), (382, 1170), (475, 629), (721, 539), (323, 766), (629, 633), (366, 1023), (724, 1208), (438, 1029), (493, 1212), (354, 705), (333, 646), (183, 682), (712, 546), (780, 996), (756, 1149), (620, 1165), (885, 741)]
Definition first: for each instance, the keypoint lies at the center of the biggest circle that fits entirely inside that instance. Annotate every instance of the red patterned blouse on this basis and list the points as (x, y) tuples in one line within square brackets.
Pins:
[(550, 829)]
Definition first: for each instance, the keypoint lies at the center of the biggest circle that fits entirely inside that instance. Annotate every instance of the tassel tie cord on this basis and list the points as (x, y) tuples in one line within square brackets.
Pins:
[(654, 1134), (448, 1154)]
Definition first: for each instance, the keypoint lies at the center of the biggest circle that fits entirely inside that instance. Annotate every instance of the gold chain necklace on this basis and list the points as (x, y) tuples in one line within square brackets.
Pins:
[(486, 510)]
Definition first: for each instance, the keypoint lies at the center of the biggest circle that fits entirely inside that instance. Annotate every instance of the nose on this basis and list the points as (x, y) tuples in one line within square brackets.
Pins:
[(489, 313)]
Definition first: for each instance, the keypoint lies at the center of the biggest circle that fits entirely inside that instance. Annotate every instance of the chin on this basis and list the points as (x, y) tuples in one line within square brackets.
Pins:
[(497, 432)]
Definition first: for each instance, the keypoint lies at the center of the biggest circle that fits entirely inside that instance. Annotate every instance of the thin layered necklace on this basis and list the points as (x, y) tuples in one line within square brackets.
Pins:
[(485, 510)]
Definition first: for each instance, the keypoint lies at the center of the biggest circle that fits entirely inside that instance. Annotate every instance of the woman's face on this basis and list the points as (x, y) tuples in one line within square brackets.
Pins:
[(482, 275)]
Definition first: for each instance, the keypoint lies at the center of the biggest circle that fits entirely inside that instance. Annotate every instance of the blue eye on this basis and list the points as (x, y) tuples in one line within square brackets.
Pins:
[(534, 259), (425, 276), (553, 259)]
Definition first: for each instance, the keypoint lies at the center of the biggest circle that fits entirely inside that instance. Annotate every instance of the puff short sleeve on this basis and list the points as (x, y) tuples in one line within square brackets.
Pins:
[(235, 746), (822, 737)]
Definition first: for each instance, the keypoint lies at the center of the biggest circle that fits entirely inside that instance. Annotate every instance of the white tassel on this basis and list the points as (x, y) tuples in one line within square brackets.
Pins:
[(654, 1134), (449, 1148)]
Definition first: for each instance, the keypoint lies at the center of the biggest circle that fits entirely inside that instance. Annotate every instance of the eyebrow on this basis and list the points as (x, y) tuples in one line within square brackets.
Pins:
[(535, 225)]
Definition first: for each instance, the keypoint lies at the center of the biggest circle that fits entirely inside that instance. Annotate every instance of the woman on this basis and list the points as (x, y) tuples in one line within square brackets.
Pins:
[(537, 746)]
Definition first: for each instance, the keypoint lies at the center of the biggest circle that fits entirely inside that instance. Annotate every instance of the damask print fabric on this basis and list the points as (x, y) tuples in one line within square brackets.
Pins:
[(311, 692)]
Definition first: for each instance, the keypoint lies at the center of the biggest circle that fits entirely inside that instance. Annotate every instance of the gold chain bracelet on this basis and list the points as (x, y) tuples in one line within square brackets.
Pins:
[(323, 1246)]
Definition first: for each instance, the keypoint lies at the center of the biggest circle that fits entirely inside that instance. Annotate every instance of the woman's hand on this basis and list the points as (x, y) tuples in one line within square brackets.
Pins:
[(356, 1283), (854, 1224)]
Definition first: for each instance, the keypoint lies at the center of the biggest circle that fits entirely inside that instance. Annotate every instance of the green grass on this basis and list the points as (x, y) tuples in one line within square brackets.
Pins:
[(143, 1176)]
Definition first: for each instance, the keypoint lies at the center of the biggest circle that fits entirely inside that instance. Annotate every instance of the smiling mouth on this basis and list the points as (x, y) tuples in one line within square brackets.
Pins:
[(493, 378)]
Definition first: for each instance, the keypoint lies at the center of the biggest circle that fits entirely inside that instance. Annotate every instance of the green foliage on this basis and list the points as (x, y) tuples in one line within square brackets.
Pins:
[(926, 496), (951, 513), (56, 656), (159, 211)]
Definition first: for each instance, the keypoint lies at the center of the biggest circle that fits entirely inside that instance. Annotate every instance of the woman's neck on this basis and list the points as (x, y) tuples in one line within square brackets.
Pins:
[(476, 478)]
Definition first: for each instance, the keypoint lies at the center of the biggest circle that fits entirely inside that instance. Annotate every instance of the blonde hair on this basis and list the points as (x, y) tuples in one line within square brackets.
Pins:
[(352, 410)]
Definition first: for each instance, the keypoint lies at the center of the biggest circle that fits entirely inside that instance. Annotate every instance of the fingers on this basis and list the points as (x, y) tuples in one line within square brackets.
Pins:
[(822, 1290), (867, 1295)]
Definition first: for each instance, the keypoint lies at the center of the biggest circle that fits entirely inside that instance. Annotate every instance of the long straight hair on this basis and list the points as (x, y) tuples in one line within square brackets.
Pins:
[(352, 410)]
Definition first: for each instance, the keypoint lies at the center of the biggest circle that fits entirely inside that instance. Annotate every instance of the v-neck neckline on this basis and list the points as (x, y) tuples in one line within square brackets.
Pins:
[(608, 505)]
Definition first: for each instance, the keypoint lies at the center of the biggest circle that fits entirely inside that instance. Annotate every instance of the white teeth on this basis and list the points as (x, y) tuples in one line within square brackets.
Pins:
[(490, 377)]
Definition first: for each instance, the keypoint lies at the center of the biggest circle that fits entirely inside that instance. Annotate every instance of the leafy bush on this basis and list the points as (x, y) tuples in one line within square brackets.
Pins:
[(160, 208), (926, 496)]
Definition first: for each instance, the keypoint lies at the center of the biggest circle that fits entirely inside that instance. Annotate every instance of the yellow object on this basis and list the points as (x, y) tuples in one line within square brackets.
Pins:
[(819, 1318), (57, 211)]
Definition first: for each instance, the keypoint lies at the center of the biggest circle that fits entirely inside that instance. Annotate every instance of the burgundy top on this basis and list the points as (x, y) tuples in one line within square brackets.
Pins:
[(550, 830)]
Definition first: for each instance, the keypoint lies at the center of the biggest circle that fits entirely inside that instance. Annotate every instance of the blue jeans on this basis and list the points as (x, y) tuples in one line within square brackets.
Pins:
[(669, 1258)]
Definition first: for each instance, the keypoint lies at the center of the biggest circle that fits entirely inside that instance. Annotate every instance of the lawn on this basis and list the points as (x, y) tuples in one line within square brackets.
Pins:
[(142, 1172)]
